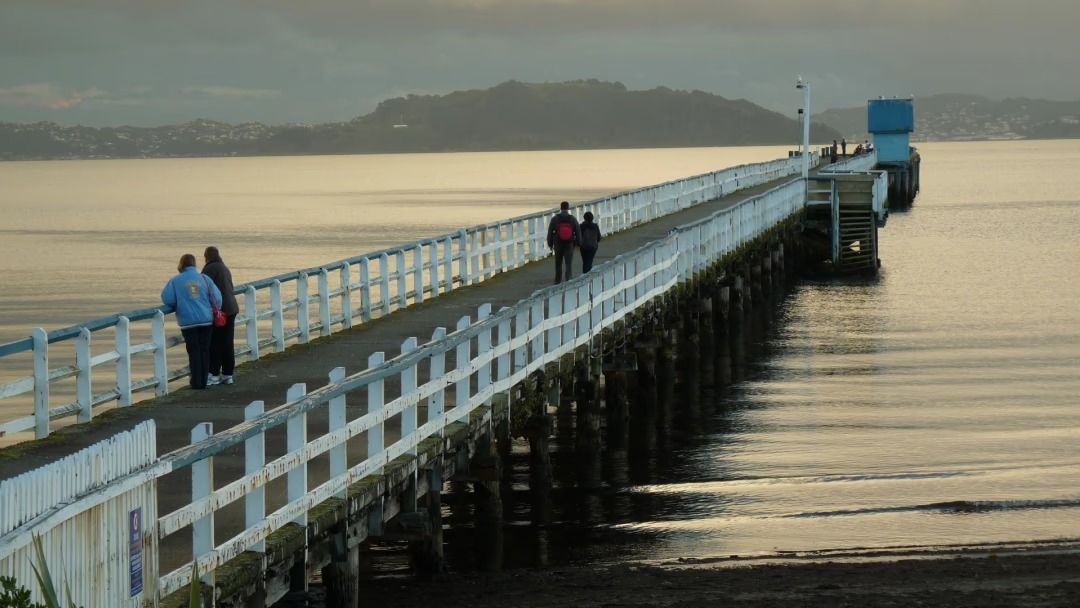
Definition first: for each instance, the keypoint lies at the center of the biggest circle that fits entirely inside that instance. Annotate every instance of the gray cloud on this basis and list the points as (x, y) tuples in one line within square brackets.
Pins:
[(281, 60)]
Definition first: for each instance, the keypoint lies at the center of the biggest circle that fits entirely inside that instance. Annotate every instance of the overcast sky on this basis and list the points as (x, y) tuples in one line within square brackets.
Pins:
[(147, 62)]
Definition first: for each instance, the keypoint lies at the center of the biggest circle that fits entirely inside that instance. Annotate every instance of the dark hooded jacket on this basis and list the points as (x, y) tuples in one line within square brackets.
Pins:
[(222, 277)]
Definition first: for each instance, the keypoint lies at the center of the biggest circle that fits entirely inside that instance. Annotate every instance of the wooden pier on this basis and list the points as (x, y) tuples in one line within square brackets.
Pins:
[(296, 489)]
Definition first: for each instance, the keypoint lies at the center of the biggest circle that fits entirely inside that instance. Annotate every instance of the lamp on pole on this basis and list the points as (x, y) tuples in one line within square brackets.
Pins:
[(805, 86)]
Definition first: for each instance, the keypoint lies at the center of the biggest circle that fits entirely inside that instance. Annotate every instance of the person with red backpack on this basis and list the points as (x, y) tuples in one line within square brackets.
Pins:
[(563, 235)]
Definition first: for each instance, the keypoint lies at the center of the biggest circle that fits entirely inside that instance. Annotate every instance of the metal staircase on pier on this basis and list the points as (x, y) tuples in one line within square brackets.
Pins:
[(847, 209)]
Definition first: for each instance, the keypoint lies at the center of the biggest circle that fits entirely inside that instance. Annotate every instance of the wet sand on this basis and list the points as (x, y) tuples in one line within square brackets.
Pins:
[(1032, 577)]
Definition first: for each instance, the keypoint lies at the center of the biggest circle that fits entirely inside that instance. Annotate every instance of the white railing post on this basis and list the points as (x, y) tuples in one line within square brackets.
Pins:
[(296, 437), (365, 290), (123, 361), (519, 243), (596, 286), (536, 316), (84, 393), (254, 461), (437, 369), (502, 338), (418, 274), (584, 319), (483, 349), (376, 394), (384, 283), (41, 382), (463, 256), (346, 296), (402, 273), (521, 328), (461, 363), (569, 327), (620, 285), (408, 390), (482, 254), (303, 310), (202, 485), (500, 243), (448, 264), (278, 318), (433, 262), (338, 455), (251, 311), (532, 251), (375, 436), (324, 303), (554, 334), (474, 257), (161, 359)]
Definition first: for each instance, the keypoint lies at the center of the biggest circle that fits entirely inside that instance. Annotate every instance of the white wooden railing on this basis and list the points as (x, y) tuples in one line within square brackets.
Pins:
[(466, 367), (854, 164), (289, 309)]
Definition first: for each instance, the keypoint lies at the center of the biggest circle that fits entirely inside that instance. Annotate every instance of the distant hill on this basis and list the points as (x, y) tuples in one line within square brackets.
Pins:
[(955, 117), (510, 116)]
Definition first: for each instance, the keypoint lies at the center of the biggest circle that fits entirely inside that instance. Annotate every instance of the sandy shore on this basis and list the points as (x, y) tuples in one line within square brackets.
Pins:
[(1032, 577)]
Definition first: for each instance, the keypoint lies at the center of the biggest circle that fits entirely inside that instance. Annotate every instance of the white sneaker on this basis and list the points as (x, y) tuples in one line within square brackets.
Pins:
[(211, 380), (226, 380)]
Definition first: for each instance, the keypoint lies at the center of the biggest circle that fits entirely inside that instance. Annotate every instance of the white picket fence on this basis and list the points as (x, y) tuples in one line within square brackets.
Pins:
[(466, 368), (344, 293), (95, 512)]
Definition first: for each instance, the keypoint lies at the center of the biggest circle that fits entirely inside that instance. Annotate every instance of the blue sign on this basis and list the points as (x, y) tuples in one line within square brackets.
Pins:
[(135, 553)]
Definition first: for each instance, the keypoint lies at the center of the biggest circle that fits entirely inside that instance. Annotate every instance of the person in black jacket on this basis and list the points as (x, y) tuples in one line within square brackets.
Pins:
[(590, 241), (222, 351), (563, 235)]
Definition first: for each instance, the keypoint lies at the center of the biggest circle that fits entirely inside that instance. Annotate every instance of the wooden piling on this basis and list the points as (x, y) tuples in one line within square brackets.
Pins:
[(587, 443), (666, 379), (341, 578), (690, 368), (643, 416), (487, 507), (707, 344), (538, 432), (618, 418)]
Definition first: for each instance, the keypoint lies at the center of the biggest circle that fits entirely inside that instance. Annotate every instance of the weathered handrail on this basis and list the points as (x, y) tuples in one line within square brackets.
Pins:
[(500, 349), (347, 291), (854, 164)]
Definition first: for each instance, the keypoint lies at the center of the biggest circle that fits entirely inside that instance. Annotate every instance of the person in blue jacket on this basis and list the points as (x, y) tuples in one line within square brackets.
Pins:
[(188, 293)]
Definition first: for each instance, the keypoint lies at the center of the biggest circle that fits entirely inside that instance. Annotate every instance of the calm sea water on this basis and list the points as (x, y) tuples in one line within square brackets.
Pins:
[(935, 405)]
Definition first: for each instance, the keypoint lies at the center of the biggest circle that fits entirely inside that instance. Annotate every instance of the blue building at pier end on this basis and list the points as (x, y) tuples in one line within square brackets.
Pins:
[(891, 122)]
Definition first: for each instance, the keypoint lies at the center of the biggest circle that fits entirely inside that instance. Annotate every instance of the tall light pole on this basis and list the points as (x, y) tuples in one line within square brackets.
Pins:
[(805, 86)]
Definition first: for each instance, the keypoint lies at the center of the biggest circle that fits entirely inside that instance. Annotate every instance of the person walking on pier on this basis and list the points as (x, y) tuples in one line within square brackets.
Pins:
[(590, 241), (843, 147), (188, 293), (563, 234), (222, 350)]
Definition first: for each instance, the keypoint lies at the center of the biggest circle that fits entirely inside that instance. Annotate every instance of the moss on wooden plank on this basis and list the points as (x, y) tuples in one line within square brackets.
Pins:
[(181, 598), (285, 541), (238, 575), (326, 515)]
